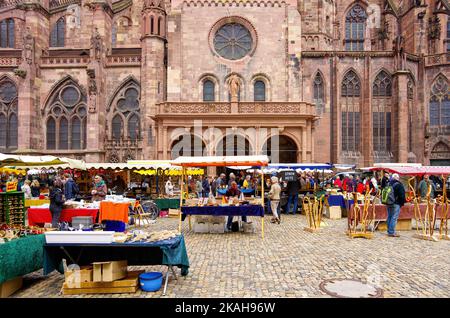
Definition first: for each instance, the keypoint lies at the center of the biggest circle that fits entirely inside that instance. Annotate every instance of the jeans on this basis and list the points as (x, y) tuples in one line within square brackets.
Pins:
[(55, 217), (230, 221), (199, 194), (295, 198), (393, 213)]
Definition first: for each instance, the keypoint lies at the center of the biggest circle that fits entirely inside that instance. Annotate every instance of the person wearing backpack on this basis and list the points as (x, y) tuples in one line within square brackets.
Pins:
[(394, 197)]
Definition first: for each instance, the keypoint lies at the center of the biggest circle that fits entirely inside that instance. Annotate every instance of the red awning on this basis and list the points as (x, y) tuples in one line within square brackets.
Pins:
[(417, 171)]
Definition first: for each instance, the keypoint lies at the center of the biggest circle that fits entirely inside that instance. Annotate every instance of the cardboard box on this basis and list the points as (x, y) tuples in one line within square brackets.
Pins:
[(110, 271), (10, 287), (217, 219), (74, 278), (201, 227), (201, 219), (174, 213), (333, 212)]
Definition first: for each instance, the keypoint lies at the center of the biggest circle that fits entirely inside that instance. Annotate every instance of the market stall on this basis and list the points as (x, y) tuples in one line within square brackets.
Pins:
[(224, 209), (38, 216)]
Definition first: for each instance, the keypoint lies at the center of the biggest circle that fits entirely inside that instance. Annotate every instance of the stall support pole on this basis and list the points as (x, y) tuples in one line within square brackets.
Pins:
[(262, 202), (181, 197)]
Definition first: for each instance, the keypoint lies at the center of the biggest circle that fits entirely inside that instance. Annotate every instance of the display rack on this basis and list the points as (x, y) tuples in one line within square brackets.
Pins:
[(12, 208)]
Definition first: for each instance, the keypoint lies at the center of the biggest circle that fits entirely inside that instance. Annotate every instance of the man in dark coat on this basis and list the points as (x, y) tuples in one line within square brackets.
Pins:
[(292, 189), (70, 187), (56, 201)]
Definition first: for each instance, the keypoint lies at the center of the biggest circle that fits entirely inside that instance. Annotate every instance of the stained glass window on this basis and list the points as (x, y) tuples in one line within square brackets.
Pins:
[(57, 36), (350, 112), (259, 91), (117, 127), (233, 41), (440, 103), (208, 91), (355, 22), (51, 134), (76, 133), (7, 33), (8, 114)]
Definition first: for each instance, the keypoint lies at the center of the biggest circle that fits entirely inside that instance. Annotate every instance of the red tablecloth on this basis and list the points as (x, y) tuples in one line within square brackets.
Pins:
[(406, 212), (41, 216)]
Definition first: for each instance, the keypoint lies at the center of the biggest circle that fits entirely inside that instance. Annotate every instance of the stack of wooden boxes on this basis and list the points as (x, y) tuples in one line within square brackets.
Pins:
[(101, 278), (209, 224)]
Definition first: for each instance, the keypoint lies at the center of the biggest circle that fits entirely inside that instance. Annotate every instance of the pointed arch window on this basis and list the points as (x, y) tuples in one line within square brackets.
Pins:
[(381, 114), (124, 113), (58, 34), (259, 91), (66, 112), (355, 23), (350, 113), (440, 103), (209, 91), (319, 93), (152, 22), (7, 33), (8, 115)]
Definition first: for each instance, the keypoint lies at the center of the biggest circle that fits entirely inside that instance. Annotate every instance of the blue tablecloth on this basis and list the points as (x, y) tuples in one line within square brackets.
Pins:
[(336, 200), (250, 210), (244, 191), (166, 252)]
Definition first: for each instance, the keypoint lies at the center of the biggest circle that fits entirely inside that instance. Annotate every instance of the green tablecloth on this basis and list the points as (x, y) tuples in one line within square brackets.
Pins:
[(165, 204), (21, 256)]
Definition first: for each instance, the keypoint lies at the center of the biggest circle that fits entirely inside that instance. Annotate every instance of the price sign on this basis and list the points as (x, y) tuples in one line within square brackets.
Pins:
[(11, 186), (289, 175)]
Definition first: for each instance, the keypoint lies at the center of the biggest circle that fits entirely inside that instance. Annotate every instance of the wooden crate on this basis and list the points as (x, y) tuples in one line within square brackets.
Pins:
[(402, 225), (129, 284), (333, 212), (174, 213), (10, 287)]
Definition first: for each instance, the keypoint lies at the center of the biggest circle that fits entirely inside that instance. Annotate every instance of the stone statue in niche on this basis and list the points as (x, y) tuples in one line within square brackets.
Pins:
[(92, 103), (96, 45), (234, 86), (28, 46)]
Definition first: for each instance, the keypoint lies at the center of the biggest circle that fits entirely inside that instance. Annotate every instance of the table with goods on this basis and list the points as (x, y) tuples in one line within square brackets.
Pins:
[(89, 250)]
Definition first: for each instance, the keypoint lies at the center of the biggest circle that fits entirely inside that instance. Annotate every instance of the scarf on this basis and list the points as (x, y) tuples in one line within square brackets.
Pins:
[(100, 184)]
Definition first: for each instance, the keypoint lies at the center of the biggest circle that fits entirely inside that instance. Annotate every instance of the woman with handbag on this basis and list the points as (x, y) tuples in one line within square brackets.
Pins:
[(274, 196)]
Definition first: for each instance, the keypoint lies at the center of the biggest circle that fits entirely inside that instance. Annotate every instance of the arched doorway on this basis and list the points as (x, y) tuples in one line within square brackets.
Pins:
[(440, 155), (234, 145), (280, 148), (188, 145)]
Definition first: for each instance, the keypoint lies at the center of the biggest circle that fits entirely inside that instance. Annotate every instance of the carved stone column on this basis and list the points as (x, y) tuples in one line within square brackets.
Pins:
[(402, 116)]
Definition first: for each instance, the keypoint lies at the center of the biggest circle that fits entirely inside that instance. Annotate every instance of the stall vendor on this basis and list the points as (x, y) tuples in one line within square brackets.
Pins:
[(100, 190), (233, 192)]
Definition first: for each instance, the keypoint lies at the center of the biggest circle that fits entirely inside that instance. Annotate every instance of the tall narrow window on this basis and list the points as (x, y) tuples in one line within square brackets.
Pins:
[(381, 114), (448, 36), (208, 91), (259, 91), (117, 127), (3, 129), (57, 36), (51, 134), (350, 113), (7, 33), (12, 131), (355, 22), (76, 133), (114, 34), (8, 115), (319, 93), (63, 134), (159, 26), (440, 103), (152, 25), (133, 127)]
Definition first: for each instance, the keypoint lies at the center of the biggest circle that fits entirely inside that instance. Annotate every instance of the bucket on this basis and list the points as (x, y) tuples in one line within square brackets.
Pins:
[(164, 214), (151, 281)]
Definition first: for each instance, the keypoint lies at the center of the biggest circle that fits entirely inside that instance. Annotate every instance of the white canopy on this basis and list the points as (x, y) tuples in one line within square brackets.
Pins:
[(221, 161), (150, 164), (33, 161), (396, 164)]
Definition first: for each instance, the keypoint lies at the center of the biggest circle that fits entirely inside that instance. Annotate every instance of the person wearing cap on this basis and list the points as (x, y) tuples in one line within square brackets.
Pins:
[(394, 210)]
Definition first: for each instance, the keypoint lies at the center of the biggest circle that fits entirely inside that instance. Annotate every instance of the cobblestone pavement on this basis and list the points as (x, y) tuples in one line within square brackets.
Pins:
[(290, 262)]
